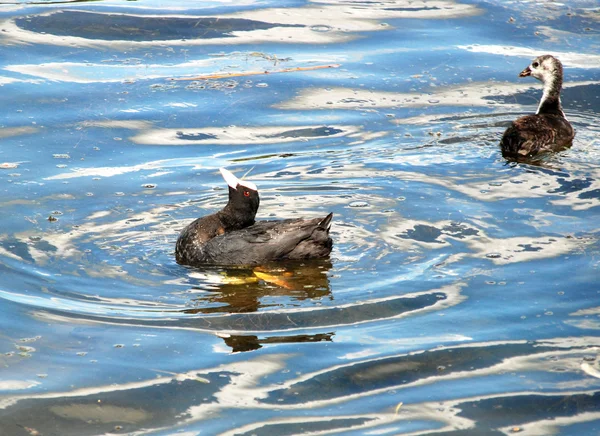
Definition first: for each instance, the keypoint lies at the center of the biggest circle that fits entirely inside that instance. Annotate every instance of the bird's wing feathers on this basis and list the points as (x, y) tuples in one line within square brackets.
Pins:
[(263, 241)]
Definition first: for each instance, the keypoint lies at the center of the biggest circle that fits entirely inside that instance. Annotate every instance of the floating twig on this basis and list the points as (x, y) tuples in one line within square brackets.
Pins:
[(256, 73), (398, 407)]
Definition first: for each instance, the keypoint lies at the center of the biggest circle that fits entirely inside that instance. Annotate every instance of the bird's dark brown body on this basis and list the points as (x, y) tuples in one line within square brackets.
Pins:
[(548, 130), (534, 134), (232, 237), (268, 241)]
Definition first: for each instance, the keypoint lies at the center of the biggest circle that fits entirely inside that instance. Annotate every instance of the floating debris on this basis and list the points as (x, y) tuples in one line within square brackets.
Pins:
[(398, 407), (321, 28), (254, 73), (25, 348), (30, 430), (359, 204)]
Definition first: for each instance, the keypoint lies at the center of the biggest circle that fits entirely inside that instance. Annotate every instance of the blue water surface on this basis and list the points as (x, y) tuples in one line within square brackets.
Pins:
[(461, 296)]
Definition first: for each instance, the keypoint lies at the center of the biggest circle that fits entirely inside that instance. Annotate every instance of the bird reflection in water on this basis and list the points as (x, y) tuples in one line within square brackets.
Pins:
[(246, 290), (239, 343)]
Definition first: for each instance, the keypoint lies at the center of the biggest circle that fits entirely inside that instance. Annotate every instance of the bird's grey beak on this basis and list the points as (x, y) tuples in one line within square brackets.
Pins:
[(526, 72)]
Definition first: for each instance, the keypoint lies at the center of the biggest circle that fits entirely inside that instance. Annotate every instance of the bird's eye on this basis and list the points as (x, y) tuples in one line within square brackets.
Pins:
[(246, 193), (535, 65)]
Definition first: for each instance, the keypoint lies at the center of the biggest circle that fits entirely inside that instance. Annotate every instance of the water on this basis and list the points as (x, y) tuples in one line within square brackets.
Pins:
[(462, 293)]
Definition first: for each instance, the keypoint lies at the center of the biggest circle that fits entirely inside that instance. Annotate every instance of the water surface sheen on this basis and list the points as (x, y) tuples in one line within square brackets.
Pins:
[(462, 293)]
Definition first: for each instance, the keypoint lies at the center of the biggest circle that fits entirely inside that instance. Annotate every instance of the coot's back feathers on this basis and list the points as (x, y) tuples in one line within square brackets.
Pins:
[(269, 241), (548, 129)]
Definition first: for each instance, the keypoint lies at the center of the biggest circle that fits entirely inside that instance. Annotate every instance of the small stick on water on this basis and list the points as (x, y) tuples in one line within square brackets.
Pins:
[(398, 407), (248, 172), (256, 73)]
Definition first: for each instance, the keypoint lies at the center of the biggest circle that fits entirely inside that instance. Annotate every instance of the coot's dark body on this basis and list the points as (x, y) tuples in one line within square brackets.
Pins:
[(268, 241), (548, 130), (533, 134), (231, 236)]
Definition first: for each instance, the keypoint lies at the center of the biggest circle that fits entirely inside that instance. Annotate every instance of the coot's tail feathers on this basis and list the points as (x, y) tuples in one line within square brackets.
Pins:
[(317, 245), (326, 223)]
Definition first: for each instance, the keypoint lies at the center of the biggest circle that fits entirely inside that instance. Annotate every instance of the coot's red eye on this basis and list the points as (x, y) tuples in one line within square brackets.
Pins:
[(246, 193)]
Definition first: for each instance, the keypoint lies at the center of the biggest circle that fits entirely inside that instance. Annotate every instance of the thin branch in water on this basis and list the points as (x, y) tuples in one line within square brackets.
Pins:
[(255, 73)]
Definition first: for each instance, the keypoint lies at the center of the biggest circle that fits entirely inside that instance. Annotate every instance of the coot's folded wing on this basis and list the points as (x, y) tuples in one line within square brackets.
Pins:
[(268, 241)]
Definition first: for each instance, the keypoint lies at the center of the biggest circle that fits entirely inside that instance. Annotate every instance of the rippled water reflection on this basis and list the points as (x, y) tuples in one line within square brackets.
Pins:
[(461, 296)]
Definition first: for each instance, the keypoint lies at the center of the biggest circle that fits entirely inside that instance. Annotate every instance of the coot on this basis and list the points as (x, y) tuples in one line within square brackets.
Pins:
[(232, 237), (548, 129)]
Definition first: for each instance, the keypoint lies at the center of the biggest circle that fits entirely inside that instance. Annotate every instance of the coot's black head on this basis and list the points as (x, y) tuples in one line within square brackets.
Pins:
[(545, 68), (243, 198)]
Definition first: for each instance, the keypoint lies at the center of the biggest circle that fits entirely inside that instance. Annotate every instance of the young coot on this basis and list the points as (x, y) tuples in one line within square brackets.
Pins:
[(231, 236), (548, 129)]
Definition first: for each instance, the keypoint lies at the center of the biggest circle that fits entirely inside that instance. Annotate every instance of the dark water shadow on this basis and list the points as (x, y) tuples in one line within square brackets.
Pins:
[(110, 410), (240, 343), (250, 305), (517, 411), (176, 399), (463, 361), (434, 235), (112, 27)]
